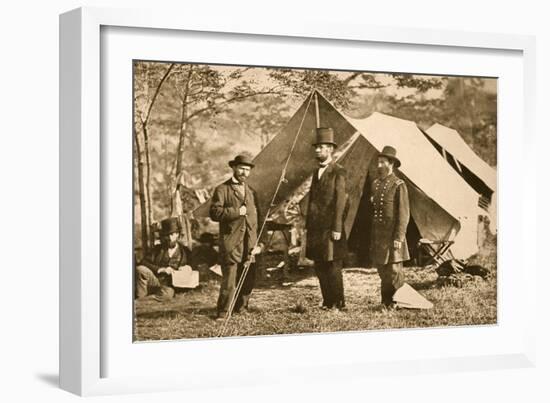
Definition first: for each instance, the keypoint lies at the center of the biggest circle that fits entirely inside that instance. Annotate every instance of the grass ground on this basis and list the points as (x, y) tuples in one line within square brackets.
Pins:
[(288, 304)]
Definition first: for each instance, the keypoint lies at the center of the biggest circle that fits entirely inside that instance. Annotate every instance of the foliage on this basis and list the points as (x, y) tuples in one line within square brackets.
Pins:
[(202, 115), (263, 120), (464, 105)]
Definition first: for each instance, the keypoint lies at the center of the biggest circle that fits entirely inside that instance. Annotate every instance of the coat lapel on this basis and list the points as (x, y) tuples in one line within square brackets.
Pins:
[(328, 173), (247, 191), (238, 194), (162, 254)]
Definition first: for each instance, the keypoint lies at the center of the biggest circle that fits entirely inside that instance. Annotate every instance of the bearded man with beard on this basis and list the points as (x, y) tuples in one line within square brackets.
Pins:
[(389, 201), (326, 241), (235, 206), (154, 273)]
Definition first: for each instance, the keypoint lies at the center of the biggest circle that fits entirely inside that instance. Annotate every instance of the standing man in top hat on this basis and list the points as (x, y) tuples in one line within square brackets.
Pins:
[(153, 274), (326, 239), (390, 217), (235, 207)]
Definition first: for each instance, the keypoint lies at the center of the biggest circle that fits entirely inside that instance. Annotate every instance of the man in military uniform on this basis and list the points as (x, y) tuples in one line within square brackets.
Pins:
[(154, 272), (235, 207), (326, 239), (390, 217)]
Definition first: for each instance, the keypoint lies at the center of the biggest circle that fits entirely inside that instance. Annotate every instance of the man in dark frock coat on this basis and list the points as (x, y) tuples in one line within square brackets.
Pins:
[(326, 239), (235, 207)]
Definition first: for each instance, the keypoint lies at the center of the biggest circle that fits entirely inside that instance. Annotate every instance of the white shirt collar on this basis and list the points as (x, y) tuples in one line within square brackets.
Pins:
[(325, 162), (323, 167), (171, 251)]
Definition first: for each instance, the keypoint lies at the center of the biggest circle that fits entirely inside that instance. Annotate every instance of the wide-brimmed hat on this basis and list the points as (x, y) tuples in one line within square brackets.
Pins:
[(390, 153), (170, 225), (324, 135), (241, 159)]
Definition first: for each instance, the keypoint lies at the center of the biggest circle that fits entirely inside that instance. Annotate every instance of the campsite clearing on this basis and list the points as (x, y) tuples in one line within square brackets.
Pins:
[(293, 308), (443, 206)]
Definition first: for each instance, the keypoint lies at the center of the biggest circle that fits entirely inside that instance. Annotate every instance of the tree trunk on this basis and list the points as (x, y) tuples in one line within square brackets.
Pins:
[(181, 140), (184, 219), (169, 180), (145, 224), (144, 167), (147, 175), (183, 123), (179, 164), (144, 127)]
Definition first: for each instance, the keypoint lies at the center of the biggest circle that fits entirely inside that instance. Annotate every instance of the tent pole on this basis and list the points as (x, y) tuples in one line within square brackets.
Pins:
[(262, 227), (317, 120)]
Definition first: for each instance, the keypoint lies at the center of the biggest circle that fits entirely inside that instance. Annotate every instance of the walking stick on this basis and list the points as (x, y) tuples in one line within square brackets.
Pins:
[(249, 261)]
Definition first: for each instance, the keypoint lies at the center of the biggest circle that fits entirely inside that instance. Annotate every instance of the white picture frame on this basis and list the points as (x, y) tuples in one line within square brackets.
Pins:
[(84, 345)]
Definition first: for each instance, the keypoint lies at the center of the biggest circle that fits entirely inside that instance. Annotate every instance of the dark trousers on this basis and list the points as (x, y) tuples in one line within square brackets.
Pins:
[(248, 285), (232, 272), (392, 278), (331, 282)]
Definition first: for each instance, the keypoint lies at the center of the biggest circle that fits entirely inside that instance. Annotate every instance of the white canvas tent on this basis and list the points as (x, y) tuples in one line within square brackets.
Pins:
[(475, 171), (443, 206)]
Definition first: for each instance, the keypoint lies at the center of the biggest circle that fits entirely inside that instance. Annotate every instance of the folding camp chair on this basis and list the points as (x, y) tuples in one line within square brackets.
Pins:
[(272, 227), (432, 252)]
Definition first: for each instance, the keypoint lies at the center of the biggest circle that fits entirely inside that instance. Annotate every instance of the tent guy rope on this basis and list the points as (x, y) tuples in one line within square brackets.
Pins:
[(282, 180)]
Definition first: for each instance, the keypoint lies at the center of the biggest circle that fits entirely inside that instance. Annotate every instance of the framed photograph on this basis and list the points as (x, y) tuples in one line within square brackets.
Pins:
[(310, 197)]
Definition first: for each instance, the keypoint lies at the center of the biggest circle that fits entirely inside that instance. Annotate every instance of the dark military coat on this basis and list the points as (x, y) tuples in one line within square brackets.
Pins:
[(390, 217), (234, 228), (326, 212), (160, 258)]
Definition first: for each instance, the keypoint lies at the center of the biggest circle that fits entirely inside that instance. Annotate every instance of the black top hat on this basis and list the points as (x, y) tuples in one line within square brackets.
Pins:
[(324, 135), (170, 225), (241, 159), (390, 153)]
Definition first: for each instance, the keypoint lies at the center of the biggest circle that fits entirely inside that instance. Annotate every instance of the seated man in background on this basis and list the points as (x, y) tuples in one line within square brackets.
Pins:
[(153, 274)]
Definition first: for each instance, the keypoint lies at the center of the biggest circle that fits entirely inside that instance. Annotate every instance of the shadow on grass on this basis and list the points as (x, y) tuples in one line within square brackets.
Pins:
[(171, 314), (277, 278), (424, 285), (290, 277), (208, 311), (361, 270), (205, 311)]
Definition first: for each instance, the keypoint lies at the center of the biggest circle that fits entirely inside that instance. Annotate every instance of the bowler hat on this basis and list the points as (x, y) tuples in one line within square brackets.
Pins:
[(170, 225), (241, 159), (390, 153), (324, 135)]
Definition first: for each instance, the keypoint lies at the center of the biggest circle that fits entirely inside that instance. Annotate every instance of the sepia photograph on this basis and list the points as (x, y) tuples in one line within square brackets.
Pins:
[(278, 201)]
